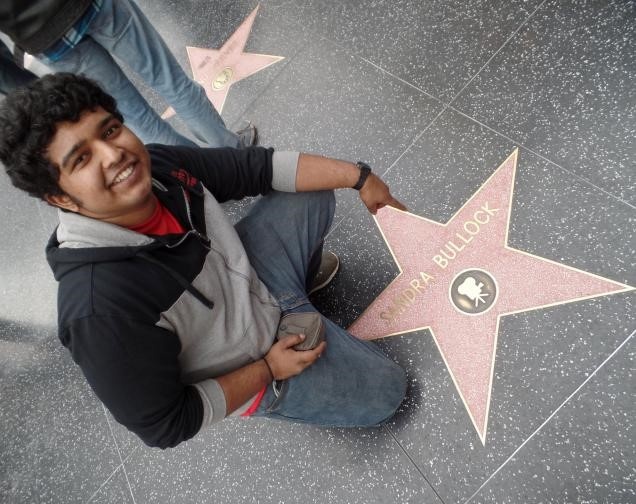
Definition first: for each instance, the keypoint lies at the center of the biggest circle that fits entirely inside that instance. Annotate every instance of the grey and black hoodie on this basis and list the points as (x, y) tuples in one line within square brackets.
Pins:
[(152, 320)]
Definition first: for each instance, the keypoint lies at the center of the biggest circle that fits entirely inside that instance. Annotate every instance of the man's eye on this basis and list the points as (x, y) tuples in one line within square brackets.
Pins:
[(111, 130), (80, 160)]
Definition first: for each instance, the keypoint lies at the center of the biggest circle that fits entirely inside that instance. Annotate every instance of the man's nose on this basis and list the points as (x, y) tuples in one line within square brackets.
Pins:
[(111, 155)]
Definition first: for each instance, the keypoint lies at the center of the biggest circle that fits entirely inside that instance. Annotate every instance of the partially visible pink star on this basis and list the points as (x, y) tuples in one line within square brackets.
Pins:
[(457, 279), (217, 69)]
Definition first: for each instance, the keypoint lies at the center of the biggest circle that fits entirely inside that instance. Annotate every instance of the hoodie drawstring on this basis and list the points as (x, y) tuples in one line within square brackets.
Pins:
[(180, 279)]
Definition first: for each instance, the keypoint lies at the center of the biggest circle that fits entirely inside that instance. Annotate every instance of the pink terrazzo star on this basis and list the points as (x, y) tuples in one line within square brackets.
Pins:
[(217, 69), (457, 279)]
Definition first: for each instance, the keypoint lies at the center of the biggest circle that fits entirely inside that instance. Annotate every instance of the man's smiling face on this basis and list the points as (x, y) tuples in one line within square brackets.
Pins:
[(104, 169)]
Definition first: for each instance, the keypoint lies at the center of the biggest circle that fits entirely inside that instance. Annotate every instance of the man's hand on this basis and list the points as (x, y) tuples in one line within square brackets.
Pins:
[(375, 194), (286, 362), (283, 361)]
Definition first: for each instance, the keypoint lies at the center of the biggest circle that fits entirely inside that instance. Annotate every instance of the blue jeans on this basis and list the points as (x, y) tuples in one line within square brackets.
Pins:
[(11, 75), (120, 29), (353, 384)]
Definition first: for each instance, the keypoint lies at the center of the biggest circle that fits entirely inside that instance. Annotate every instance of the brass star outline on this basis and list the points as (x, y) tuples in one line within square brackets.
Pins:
[(217, 69), (370, 326)]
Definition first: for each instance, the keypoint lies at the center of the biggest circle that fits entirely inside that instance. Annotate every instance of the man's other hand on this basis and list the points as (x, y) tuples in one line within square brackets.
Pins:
[(375, 194), (286, 362)]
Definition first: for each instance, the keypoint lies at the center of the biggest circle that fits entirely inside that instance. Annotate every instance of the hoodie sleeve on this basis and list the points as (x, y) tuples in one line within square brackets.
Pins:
[(133, 369), (232, 173)]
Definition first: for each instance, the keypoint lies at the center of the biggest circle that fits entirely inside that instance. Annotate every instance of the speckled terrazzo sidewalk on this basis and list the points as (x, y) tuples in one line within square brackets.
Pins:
[(434, 95)]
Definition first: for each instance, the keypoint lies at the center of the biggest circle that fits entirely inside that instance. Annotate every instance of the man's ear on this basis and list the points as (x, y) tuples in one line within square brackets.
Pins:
[(63, 201)]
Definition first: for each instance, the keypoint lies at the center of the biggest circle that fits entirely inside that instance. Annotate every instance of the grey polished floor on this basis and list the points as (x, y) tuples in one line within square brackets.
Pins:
[(434, 94)]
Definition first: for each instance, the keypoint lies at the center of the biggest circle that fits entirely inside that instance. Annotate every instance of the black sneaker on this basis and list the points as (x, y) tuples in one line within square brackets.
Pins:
[(248, 136), (329, 264)]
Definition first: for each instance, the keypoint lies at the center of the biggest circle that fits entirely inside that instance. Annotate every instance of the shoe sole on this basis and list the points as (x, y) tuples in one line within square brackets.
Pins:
[(327, 280), (255, 138)]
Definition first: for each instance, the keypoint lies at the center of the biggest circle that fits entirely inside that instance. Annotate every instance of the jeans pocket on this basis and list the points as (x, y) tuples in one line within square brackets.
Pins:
[(112, 21), (279, 397)]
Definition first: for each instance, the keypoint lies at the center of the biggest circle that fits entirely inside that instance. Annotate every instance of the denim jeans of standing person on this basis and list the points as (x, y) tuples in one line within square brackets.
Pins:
[(11, 75), (353, 384), (121, 30)]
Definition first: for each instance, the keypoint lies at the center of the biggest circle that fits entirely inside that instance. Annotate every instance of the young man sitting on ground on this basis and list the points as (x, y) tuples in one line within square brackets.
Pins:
[(171, 311)]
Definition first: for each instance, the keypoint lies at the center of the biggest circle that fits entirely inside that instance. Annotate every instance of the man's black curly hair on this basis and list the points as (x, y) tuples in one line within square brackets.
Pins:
[(28, 119)]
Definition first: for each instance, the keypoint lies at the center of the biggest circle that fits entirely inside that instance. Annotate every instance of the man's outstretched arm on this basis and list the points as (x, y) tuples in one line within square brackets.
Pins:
[(316, 173), (235, 173)]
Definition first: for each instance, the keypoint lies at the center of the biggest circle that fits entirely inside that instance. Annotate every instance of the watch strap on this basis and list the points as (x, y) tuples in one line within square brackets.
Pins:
[(365, 170)]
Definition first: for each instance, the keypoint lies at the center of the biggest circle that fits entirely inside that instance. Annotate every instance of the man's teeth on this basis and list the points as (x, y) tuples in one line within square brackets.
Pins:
[(123, 175)]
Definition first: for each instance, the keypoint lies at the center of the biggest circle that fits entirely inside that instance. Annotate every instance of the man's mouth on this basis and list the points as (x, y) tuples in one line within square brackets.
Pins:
[(123, 175)]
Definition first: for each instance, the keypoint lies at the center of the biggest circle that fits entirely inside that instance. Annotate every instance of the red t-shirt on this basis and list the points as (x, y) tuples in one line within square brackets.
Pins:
[(160, 223)]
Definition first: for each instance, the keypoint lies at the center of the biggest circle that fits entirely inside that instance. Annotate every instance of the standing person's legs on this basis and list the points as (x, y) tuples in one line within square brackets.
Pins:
[(352, 383), (125, 31), (11, 75), (91, 59)]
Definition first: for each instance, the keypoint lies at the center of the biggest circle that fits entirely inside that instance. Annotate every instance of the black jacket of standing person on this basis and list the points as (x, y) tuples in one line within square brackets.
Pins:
[(35, 25)]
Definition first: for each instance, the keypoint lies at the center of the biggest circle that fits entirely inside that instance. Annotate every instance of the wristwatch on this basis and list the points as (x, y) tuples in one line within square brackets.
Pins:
[(365, 170)]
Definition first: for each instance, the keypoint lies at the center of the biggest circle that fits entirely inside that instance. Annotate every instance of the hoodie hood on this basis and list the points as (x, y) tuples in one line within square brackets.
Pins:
[(79, 240)]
